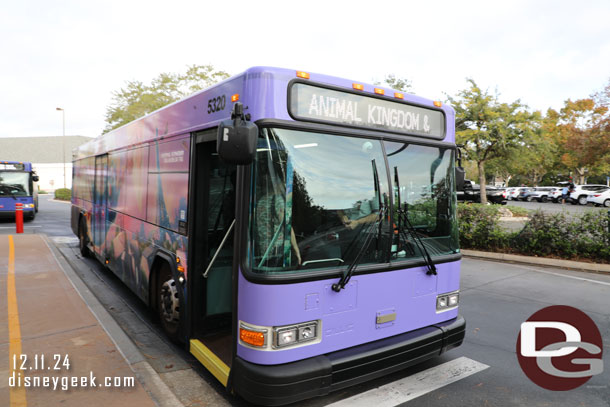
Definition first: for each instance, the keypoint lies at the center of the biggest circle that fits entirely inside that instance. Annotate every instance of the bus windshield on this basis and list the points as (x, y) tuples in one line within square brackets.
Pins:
[(316, 200), (14, 183)]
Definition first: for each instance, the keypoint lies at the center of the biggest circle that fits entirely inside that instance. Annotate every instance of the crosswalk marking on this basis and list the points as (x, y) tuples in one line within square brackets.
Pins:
[(416, 385)]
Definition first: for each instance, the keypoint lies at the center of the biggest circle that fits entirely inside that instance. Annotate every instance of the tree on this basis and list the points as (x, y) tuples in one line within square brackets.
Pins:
[(582, 135), (137, 99), (489, 129), (401, 84)]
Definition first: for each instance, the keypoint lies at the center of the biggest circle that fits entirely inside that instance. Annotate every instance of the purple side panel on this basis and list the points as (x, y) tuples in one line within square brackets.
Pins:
[(349, 317)]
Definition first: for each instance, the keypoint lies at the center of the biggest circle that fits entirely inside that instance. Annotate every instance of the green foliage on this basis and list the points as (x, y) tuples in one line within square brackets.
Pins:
[(479, 227), (585, 236), (554, 235), (489, 129), (63, 194), (401, 84), (137, 99)]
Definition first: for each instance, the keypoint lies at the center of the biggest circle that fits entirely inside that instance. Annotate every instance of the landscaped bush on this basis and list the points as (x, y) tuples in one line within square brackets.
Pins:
[(553, 235), (479, 227), (63, 194), (585, 236)]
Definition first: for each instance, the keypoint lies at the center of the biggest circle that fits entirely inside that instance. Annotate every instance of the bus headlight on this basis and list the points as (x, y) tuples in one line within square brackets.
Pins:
[(448, 301), (295, 334)]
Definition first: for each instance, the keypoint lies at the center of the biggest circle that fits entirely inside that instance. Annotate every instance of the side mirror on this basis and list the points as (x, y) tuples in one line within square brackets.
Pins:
[(35, 178), (460, 175), (236, 139)]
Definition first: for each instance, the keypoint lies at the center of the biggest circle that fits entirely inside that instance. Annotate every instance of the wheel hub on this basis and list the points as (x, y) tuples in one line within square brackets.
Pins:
[(170, 303)]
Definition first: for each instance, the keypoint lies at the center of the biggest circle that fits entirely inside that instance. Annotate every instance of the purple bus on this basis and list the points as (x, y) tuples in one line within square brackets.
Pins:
[(296, 231), (18, 184)]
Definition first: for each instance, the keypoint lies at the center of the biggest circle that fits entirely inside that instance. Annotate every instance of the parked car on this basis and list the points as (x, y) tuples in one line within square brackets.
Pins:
[(540, 194), (524, 193), (601, 197), (511, 193), (581, 192), (555, 194), (472, 193)]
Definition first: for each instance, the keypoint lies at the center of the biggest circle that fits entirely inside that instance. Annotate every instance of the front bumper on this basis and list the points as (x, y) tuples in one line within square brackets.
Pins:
[(10, 214), (275, 385)]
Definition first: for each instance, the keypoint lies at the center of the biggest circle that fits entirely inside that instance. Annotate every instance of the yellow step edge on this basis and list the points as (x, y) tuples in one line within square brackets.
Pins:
[(211, 362)]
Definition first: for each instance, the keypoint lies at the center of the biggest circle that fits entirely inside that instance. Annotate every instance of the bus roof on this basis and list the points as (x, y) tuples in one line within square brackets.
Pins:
[(208, 107), (15, 166)]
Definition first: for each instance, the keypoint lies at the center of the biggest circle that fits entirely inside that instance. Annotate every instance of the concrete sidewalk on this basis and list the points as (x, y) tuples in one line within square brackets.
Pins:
[(59, 342)]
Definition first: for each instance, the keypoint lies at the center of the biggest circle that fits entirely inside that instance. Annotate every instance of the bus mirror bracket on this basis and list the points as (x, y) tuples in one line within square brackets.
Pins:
[(236, 139), (460, 174)]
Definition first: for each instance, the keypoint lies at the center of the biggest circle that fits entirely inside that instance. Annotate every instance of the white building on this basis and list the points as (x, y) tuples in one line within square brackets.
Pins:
[(45, 154)]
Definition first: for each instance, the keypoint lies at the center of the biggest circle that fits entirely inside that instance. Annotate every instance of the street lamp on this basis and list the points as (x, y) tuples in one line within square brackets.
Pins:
[(63, 141)]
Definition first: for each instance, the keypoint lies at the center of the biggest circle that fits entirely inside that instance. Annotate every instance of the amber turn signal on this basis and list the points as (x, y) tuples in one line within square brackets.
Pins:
[(253, 338)]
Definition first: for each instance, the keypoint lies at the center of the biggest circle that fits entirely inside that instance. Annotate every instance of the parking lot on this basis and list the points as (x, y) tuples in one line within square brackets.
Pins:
[(551, 207)]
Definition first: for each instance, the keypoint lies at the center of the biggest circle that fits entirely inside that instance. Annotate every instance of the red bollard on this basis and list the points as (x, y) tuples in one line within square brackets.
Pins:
[(19, 217)]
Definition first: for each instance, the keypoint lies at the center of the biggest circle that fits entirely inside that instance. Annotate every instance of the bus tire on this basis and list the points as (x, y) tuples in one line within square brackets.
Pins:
[(30, 217), (83, 239), (167, 301)]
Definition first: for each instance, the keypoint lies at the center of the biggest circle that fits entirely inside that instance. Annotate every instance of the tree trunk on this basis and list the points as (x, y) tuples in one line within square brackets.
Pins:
[(481, 167), (581, 175)]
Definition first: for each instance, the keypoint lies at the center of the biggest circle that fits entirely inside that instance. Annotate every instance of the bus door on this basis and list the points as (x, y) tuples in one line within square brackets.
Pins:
[(214, 185), (100, 196)]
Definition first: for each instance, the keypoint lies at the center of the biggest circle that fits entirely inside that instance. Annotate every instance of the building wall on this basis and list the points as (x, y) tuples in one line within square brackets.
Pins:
[(52, 175)]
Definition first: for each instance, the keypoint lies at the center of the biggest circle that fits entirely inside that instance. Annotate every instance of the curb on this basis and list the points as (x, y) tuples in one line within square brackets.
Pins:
[(147, 376), (539, 261)]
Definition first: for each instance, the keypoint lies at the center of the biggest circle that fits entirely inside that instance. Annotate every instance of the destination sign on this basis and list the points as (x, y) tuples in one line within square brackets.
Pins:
[(314, 103), (12, 166)]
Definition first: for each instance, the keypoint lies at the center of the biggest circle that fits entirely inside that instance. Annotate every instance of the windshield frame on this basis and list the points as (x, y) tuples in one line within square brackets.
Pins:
[(296, 276)]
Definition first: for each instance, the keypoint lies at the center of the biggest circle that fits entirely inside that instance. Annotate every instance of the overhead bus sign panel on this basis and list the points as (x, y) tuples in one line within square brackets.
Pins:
[(12, 166), (314, 103)]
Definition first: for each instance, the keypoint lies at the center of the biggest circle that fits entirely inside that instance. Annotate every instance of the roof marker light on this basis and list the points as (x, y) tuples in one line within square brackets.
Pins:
[(235, 97), (399, 95), (437, 103), (357, 86), (301, 74), (379, 91)]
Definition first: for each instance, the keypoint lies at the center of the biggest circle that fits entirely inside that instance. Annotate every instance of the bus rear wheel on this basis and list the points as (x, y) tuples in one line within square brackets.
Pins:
[(168, 302)]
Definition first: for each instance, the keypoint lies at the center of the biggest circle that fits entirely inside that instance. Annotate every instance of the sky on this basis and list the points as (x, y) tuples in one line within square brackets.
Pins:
[(74, 54)]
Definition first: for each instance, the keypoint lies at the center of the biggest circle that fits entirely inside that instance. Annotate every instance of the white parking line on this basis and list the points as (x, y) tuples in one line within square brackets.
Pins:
[(414, 386), (559, 274)]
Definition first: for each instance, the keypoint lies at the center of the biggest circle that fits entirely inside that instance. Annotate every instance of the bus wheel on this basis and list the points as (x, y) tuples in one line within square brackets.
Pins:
[(168, 302), (83, 240)]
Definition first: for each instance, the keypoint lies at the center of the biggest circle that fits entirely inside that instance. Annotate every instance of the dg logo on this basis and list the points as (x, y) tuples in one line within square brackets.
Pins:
[(560, 348)]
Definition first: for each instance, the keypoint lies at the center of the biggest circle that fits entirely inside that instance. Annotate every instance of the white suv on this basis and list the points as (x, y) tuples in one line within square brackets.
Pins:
[(601, 197), (581, 192)]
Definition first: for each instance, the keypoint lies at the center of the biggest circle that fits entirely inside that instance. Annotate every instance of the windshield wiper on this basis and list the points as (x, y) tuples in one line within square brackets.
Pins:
[(350, 270), (403, 217), (368, 235)]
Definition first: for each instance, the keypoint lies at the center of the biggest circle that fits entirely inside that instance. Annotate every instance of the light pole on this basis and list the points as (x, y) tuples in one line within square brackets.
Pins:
[(63, 141)]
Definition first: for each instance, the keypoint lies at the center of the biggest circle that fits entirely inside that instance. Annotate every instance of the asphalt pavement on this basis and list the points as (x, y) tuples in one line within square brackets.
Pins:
[(495, 299), (551, 207)]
